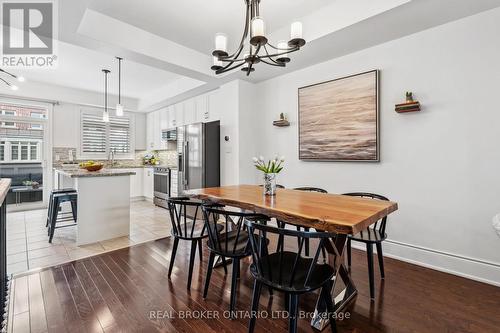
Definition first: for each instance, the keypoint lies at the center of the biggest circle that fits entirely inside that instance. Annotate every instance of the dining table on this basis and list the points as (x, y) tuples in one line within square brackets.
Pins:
[(341, 215)]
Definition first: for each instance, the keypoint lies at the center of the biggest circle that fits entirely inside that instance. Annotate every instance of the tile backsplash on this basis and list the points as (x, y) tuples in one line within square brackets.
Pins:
[(167, 157)]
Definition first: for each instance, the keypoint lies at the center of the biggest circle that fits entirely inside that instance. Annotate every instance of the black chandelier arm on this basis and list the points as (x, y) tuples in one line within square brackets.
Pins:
[(4, 71), (4, 81), (249, 70), (227, 69), (288, 50), (245, 34), (273, 63), (270, 58), (231, 60), (281, 53)]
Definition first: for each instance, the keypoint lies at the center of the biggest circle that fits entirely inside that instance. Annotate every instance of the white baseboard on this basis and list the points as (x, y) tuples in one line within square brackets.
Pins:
[(470, 268)]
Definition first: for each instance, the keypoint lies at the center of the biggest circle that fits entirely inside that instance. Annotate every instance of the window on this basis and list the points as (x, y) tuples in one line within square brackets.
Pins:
[(98, 137), (2, 151), (39, 115), (26, 151)]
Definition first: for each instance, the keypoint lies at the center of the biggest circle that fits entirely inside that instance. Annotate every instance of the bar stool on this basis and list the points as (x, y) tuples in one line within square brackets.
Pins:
[(51, 203), (54, 207)]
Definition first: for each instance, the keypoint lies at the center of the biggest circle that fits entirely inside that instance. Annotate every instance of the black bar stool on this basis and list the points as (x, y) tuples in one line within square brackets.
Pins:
[(375, 235), (232, 243), (187, 224), (51, 202), (57, 199), (289, 272)]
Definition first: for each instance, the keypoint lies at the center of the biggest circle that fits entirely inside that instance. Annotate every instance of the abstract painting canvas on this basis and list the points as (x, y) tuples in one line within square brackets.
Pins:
[(338, 119)]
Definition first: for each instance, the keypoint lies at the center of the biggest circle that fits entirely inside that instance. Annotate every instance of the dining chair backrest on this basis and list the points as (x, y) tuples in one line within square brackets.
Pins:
[(186, 217), (287, 269), (377, 227), (311, 189), (232, 241)]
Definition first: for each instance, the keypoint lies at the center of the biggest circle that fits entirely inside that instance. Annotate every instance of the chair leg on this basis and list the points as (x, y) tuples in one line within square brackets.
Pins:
[(325, 293), (234, 284), (293, 312), (287, 301), (224, 264), (74, 210), (200, 250), (257, 287), (211, 260), (306, 242), (369, 254), (191, 262), (172, 256), (52, 227), (380, 260), (349, 253)]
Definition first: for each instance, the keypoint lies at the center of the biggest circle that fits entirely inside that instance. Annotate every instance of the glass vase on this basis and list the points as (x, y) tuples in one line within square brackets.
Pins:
[(270, 184)]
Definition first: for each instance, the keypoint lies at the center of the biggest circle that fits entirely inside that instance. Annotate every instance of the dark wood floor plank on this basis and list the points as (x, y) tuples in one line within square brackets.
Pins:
[(72, 319), (117, 300), (83, 305), (38, 321), (52, 305), (126, 284)]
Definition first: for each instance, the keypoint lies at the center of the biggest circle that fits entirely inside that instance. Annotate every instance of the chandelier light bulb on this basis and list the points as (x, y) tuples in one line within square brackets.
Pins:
[(14, 87), (221, 42), (296, 30), (21, 79), (119, 110), (258, 27), (105, 116)]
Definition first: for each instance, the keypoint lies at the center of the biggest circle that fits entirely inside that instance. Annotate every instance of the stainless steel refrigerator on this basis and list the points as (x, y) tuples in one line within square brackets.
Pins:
[(198, 151)]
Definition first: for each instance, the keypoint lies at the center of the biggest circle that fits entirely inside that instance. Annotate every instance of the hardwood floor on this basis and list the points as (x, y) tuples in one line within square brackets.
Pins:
[(128, 291)]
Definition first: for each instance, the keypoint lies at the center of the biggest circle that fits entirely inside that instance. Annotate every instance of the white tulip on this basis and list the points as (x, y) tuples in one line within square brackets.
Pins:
[(261, 158), (282, 158), (255, 159)]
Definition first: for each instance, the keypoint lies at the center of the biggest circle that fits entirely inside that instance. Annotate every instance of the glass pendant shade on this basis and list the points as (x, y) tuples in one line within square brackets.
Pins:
[(221, 42), (258, 27), (296, 30), (119, 110), (105, 116)]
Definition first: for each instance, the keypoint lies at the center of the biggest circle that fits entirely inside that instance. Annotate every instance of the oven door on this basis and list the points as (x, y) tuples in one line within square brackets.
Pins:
[(162, 185)]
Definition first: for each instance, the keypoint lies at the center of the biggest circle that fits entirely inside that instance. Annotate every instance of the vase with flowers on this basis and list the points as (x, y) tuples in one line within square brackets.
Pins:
[(270, 169)]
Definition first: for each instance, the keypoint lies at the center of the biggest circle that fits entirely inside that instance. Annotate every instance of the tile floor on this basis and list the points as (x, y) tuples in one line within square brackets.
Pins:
[(28, 247)]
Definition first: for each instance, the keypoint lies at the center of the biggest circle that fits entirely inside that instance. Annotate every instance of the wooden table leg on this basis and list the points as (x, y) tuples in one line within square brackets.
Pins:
[(345, 295)]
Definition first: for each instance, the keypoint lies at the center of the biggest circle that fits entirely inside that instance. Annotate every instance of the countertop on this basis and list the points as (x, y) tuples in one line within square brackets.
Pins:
[(80, 173), (4, 188)]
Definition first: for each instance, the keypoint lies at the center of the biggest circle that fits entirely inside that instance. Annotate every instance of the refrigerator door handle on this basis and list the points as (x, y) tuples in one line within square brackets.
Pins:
[(186, 164)]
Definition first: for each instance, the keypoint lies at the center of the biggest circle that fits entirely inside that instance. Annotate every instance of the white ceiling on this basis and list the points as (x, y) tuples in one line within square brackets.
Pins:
[(193, 23), (80, 68)]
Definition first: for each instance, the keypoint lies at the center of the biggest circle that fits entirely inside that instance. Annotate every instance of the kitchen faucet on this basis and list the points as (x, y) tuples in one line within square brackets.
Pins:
[(111, 156)]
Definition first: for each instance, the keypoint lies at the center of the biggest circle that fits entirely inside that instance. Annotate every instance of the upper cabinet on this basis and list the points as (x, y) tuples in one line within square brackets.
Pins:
[(140, 131), (195, 110)]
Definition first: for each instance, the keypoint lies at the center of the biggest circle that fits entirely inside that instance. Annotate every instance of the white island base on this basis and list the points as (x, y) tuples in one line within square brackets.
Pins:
[(103, 204)]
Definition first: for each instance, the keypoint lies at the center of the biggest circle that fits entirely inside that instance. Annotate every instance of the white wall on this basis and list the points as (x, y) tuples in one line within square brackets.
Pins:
[(441, 165)]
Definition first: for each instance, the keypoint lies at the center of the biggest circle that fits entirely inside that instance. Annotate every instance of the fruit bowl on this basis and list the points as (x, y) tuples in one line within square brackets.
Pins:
[(93, 167)]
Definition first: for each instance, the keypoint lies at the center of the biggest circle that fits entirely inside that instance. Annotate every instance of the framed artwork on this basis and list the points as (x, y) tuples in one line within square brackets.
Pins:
[(339, 119)]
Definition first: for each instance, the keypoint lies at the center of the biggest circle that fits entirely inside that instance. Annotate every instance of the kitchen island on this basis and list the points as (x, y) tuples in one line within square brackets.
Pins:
[(103, 202)]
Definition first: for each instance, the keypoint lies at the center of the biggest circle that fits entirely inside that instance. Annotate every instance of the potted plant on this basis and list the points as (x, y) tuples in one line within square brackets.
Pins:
[(34, 185), (270, 169)]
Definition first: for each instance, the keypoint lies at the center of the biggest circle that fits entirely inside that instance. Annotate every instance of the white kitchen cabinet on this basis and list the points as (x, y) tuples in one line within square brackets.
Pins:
[(213, 107), (172, 119), (179, 114), (148, 182), (150, 131), (189, 111), (202, 112), (157, 131), (164, 119), (140, 131)]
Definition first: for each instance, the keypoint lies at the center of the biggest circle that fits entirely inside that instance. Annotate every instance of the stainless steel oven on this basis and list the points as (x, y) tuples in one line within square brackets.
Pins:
[(161, 186)]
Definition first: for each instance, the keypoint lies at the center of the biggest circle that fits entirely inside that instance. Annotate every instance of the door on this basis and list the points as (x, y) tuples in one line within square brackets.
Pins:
[(26, 152), (194, 148)]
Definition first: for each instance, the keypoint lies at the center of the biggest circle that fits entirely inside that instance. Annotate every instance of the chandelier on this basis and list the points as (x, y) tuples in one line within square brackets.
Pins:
[(254, 46), (9, 84)]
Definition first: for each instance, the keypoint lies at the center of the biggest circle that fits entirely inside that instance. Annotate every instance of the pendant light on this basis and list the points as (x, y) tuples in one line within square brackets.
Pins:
[(119, 106), (105, 115)]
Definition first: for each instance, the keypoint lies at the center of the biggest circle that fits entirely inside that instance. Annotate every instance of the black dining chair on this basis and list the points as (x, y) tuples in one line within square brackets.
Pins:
[(372, 235), (289, 272), (187, 224), (282, 224), (232, 243)]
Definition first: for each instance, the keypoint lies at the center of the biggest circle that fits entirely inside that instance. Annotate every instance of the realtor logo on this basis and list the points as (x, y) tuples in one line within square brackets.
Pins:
[(28, 30)]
